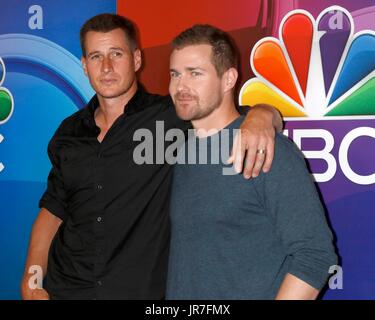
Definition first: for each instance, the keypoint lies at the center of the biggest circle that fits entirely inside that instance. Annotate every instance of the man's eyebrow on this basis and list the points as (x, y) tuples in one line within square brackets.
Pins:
[(112, 48), (188, 69), (116, 48), (194, 68), (92, 53)]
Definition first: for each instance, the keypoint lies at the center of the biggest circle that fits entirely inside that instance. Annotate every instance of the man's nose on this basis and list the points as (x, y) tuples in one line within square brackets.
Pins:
[(107, 65), (182, 84)]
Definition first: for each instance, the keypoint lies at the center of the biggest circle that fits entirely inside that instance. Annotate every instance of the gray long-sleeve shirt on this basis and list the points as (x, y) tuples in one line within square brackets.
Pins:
[(237, 239)]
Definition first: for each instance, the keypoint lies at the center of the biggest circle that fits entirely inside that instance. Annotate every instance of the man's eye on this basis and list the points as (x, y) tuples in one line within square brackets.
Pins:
[(195, 73), (116, 54), (94, 57), (174, 74)]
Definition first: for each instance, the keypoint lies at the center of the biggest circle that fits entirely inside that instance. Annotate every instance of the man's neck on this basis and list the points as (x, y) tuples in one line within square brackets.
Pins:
[(111, 108), (216, 121)]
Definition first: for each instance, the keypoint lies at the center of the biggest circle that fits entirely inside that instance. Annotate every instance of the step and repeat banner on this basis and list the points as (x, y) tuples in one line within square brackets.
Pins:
[(314, 60), (42, 83)]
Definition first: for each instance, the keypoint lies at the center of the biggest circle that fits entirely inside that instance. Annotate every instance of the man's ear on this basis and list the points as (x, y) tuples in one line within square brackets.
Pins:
[(83, 61), (230, 78), (137, 55)]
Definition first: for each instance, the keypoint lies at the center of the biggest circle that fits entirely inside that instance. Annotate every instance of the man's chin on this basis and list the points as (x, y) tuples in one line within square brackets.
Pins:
[(110, 94), (184, 115), (184, 112)]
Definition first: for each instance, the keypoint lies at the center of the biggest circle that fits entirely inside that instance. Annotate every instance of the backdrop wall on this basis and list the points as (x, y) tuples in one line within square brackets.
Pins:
[(42, 82)]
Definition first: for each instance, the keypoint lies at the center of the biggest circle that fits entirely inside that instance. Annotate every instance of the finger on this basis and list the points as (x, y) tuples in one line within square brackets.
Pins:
[(230, 159), (260, 156), (269, 155), (239, 155), (259, 162), (251, 149), (249, 163), (234, 150)]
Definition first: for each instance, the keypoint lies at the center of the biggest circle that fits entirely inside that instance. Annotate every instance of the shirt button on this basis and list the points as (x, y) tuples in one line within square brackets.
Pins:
[(99, 187), (99, 283), (99, 219)]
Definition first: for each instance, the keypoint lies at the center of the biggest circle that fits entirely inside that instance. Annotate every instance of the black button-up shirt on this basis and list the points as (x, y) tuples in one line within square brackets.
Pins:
[(114, 239)]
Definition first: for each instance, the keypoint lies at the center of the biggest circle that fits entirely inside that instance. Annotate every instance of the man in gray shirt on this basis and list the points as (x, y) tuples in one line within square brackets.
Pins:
[(232, 238)]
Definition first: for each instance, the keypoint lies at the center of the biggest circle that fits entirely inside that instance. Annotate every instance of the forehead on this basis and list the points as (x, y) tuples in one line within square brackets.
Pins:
[(192, 55), (100, 40)]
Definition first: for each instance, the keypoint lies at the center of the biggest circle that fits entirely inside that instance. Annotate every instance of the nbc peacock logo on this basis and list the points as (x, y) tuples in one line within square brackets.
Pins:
[(317, 69), (6, 98)]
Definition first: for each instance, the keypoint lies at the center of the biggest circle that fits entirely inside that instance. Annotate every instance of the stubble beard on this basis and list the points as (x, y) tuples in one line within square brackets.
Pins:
[(199, 111)]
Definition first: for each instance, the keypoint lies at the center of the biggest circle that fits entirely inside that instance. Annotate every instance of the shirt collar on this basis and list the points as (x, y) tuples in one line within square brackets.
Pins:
[(134, 105)]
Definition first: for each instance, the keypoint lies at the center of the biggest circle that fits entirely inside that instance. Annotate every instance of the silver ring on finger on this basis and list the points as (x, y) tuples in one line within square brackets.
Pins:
[(261, 151)]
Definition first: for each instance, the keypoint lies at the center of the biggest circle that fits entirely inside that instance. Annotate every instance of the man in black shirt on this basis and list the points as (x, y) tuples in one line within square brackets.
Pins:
[(103, 228)]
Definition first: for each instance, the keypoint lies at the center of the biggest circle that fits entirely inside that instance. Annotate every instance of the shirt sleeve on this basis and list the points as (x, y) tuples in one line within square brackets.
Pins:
[(292, 201), (54, 198), (243, 110)]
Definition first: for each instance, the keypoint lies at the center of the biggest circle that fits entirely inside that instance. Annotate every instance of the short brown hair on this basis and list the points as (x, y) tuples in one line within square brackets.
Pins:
[(224, 52), (107, 22)]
